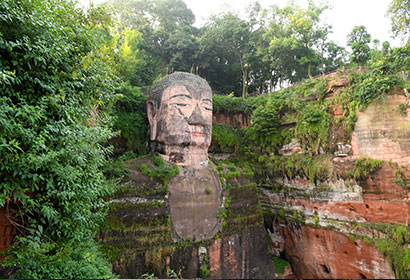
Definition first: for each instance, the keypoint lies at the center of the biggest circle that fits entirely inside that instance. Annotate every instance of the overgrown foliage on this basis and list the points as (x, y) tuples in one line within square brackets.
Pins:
[(393, 243), (363, 167), (131, 119), (231, 104), (56, 81), (161, 172), (315, 168)]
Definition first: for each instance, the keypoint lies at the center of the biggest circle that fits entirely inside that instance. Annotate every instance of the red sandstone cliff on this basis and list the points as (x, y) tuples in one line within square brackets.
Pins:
[(321, 228)]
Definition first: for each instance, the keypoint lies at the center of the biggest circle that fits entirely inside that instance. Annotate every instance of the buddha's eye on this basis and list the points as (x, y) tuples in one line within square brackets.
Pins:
[(207, 109), (181, 104)]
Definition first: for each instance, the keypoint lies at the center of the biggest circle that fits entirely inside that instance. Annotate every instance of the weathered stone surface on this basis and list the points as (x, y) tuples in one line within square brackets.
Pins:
[(241, 256), (336, 110), (343, 206), (195, 198), (326, 254), (232, 119), (7, 234), (292, 148), (381, 132), (137, 232)]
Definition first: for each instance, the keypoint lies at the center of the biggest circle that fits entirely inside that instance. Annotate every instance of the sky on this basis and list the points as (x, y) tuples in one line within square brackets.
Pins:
[(343, 15)]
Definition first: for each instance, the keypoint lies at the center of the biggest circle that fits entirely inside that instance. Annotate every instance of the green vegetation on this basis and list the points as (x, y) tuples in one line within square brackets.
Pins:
[(225, 138), (231, 104), (204, 266), (400, 179), (363, 167), (315, 168), (402, 109), (280, 264), (394, 245), (162, 171), (131, 120), (57, 85)]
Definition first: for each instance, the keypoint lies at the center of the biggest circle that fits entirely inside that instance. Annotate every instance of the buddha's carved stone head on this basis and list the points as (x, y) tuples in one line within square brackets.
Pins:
[(179, 112)]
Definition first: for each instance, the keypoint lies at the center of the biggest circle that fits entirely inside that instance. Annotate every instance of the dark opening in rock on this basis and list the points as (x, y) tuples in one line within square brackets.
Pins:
[(362, 276), (325, 269)]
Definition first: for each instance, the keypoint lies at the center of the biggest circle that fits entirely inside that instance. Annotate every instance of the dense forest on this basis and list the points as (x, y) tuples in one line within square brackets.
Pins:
[(73, 80)]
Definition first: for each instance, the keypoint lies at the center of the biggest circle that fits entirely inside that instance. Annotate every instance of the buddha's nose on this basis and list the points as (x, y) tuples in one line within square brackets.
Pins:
[(196, 117)]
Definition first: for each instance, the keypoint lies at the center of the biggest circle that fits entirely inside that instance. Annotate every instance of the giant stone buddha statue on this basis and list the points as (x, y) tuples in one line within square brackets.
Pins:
[(179, 111)]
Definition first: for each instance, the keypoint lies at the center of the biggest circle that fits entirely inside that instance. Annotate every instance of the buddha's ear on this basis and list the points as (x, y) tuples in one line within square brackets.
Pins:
[(152, 113)]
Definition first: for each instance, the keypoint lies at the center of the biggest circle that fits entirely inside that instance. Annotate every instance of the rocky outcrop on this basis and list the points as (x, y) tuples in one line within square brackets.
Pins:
[(323, 253), (321, 227), (241, 256), (137, 233), (232, 119), (382, 131), (311, 224)]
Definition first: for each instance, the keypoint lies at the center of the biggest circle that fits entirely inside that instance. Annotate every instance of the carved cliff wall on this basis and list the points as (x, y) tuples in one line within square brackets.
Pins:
[(382, 131), (232, 119), (136, 234), (347, 226)]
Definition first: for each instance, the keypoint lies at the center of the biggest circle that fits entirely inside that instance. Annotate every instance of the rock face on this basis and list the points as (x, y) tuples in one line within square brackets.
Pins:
[(322, 253), (330, 229), (382, 131), (232, 119), (240, 256), (137, 234), (313, 223)]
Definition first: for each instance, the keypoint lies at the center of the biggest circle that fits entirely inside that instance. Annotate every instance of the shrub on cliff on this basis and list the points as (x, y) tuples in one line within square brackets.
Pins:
[(54, 70), (363, 167)]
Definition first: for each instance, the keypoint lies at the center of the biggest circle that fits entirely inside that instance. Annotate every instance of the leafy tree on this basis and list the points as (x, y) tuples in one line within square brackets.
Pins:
[(168, 40), (335, 56), (359, 40), (281, 51), (399, 11), (55, 71), (173, 14), (304, 25), (229, 36), (181, 50)]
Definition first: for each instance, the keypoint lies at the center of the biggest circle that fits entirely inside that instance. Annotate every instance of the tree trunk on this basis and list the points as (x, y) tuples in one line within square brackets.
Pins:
[(244, 87)]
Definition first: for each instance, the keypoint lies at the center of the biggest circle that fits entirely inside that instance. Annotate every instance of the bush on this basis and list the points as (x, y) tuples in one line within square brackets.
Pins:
[(56, 76), (161, 172), (363, 167), (81, 260), (131, 118)]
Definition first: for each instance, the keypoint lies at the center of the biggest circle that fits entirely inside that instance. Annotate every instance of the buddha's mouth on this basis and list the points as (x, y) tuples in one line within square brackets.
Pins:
[(197, 130)]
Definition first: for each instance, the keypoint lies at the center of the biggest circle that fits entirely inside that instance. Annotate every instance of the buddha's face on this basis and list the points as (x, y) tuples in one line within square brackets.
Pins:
[(182, 126)]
